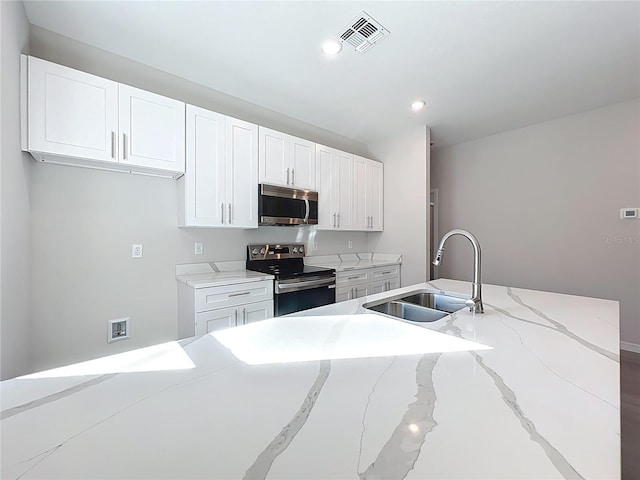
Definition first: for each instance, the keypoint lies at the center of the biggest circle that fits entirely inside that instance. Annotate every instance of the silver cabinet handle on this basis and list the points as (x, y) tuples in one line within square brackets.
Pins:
[(236, 316), (287, 176), (386, 273), (338, 220), (334, 220), (244, 315), (353, 278), (239, 294), (124, 146), (222, 212), (292, 177), (352, 295), (113, 144), (229, 214)]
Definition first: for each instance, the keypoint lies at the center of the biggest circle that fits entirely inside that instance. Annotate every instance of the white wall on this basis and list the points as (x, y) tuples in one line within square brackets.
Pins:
[(14, 198), (406, 201), (544, 203), (83, 223)]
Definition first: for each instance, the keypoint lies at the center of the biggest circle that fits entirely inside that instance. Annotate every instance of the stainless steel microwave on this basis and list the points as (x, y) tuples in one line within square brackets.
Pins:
[(286, 206)]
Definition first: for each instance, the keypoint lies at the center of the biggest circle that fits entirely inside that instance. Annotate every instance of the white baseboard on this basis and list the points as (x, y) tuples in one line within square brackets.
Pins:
[(630, 347)]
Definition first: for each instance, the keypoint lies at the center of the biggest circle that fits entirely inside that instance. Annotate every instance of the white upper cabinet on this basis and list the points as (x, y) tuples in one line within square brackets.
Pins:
[(220, 185), (242, 174), (303, 164), (202, 189), (286, 161), (368, 194), (71, 113), (75, 118), (334, 177), (152, 130)]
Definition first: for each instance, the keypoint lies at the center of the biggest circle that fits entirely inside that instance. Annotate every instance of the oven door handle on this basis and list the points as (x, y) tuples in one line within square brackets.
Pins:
[(296, 286)]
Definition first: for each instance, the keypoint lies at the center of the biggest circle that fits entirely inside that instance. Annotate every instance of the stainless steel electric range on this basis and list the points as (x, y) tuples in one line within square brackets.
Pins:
[(297, 286)]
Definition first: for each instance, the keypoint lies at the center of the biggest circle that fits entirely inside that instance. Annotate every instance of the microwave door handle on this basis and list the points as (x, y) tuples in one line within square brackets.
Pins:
[(306, 215)]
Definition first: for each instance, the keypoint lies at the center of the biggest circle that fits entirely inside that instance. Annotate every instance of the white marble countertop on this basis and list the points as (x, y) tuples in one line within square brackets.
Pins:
[(530, 389), (354, 261), (216, 274)]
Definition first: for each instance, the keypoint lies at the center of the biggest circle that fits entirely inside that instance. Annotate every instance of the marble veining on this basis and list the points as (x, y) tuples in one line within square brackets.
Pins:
[(541, 403), (260, 468), (510, 399), (562, 329), (399, 454)]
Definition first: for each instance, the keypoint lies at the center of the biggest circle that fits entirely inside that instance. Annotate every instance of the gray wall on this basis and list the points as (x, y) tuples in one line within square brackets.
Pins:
[(14, 198), (406, 199), (544, 203), (83, 223)]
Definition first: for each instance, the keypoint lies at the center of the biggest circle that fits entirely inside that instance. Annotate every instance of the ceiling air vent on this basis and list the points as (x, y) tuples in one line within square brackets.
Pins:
[(362, 32)]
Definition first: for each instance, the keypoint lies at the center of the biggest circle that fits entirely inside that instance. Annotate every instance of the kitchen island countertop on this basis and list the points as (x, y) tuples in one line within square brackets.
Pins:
[(530, 389)]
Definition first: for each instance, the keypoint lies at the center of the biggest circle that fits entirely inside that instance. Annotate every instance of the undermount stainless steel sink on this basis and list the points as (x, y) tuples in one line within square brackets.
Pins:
[(436, 301), (419, 306)]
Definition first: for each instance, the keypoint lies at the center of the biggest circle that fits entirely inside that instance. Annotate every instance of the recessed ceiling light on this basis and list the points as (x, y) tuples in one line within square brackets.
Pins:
[(331, 47), (418, 105)]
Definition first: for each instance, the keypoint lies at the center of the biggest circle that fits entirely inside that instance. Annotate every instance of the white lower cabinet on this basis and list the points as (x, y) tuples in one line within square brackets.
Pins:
[(368, 281), (222, 318), (353, 284), (384, 285), (203, 310)]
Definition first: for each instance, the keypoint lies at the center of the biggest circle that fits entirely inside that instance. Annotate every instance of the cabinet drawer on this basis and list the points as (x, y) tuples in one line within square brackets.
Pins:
[(382, 273), (232, 295), (352, 277)]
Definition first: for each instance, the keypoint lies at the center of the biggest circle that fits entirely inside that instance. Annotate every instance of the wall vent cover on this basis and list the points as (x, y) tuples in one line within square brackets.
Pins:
[(362, 32)]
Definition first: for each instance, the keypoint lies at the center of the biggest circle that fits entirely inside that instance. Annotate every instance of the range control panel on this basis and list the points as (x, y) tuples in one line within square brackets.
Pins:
[(275, 252)]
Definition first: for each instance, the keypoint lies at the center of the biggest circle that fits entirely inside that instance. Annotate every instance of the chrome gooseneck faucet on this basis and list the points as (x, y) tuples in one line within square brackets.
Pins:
[(475, 302)]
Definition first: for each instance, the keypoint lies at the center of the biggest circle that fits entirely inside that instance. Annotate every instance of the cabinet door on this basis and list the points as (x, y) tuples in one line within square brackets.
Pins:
[(343, 294), (152, 129), (325, 179), (361, 192), (205, 177), (361, 290), (71, 113), (242, 174), (303, 164), (345, 190), (375, 197), (254, 312), (379, 287), (274, 157), (216, 320)]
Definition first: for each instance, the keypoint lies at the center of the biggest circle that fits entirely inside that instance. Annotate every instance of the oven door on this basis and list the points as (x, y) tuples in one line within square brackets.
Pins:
[(287, 206), (303, 293)]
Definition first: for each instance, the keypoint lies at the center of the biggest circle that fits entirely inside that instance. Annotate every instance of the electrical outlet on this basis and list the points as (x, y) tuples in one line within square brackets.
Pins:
[(136, 250), (198, 248), (119, 329), (350, 244), (315, 246)]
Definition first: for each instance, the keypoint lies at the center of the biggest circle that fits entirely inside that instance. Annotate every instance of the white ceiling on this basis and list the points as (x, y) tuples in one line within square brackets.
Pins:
[(483, 67)]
